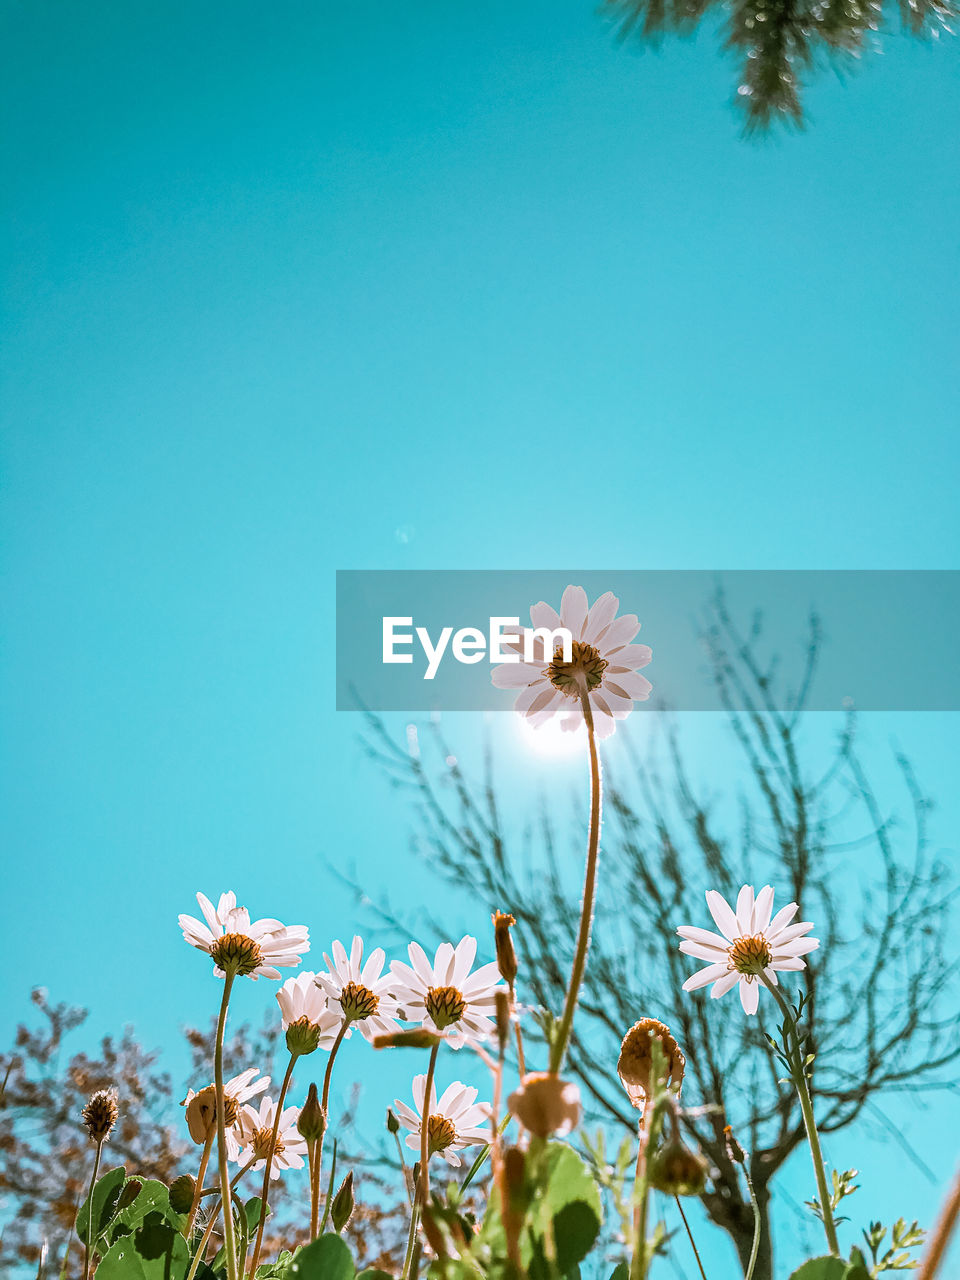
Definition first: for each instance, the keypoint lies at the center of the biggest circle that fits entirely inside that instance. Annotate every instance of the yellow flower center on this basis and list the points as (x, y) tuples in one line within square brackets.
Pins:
[(445, 1006), (236, 953), (262, 1141), (357, 1001), (440, 1133), (750, 955), (584, 670)]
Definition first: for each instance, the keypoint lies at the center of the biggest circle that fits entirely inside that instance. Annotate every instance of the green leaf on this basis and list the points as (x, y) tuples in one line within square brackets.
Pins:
[(106, 1196), (325, 1259), (154, 1252), (372, 1273), (572, 1201), (151, 1198), (821, 1269), (621, 1271)]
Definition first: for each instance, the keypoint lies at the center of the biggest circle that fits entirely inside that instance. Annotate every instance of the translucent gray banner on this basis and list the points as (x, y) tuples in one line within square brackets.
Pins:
[(883, 640)]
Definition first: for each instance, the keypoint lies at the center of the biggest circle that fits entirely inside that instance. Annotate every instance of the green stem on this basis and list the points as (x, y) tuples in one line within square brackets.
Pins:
[(799, 1074), (425, 1128), (638, 1262), (229, 1241), (202, 1247), (757, 1225), (329, 1197), (693, 1243), (561, 1039), (88, 1243), (411, 1239), (314, 1188), (198, 1189), (268, 1163), (325, 1096)]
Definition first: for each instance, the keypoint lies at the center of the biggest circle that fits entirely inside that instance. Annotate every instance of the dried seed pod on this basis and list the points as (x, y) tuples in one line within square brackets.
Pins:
[(545, 1104), (506, 956), (676, 1170), (635, 1063)]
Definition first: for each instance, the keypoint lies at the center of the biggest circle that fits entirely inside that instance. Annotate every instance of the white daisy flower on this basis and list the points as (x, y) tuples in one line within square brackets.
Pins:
[(201, 1108), (256, 1131), (604, 663), (356, 991), (455, 1121), (752, 944), (446, 997), (306, 1019), (246, 948)]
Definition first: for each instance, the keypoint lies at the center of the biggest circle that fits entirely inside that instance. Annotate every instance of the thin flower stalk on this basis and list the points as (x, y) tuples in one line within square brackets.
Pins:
[(693, 1243), (268, 1163), (325, 1095), (201, 1174), (422, 1192), (799, 1075), (561, 1039), (215, 1213), (757, 1224), (88, 1243), (229, 1241), (939, 1241)]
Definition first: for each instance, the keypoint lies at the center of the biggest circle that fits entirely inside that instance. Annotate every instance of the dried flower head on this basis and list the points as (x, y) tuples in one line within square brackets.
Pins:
[(635, 1063), (100, 1114), (544, 1104)]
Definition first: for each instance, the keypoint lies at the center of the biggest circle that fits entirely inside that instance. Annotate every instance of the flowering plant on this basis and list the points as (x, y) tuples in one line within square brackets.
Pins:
[(533, 1187)]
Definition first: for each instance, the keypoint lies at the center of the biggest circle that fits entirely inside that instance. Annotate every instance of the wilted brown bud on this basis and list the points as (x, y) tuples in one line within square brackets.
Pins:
[(502, 1005), (506, 956), (100, 1114), (417, 1038), (201, 1114), (734, 1149), (545, 1104), (182, 1191), (676, 1170), (311, 1122), (635, 1064)]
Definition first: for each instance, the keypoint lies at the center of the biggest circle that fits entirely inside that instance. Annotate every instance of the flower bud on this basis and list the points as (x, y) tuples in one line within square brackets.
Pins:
[(342, 1206), (303, 1036), (635, 1064), (182, 1191), (393, 1124), (311, 1122), (100, 1114), (416, 1038), (545, 1104), (502, 1005), (131, 1189), (506, 956), (676, 1170), (734, 1149)]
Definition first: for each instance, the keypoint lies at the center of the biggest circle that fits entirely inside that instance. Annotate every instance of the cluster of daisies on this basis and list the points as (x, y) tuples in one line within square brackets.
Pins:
[(447, 997)]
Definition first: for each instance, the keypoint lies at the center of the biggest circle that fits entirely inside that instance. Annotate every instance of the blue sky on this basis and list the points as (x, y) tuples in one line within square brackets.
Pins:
[(288, 289)]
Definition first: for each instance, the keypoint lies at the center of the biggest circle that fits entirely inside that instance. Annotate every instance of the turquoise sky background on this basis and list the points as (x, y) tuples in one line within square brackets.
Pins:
[(294, 288)]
